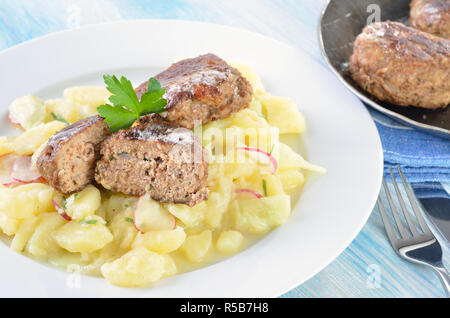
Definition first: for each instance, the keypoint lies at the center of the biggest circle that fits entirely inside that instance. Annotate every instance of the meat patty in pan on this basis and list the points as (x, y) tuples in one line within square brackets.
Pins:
[(402, 65), (431, 16)]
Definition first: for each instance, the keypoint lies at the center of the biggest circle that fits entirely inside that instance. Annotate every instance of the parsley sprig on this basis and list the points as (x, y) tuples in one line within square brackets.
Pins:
[(126, 107)]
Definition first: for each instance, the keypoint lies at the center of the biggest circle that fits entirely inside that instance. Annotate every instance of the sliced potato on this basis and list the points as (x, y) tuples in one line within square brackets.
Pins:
[(282, 112), (9, 225), (289, 159), (83, 204), (123, 230), (218, 202), (161, 242), (229, 242), (26, 200), (118, 203), (27, 143), (190, 216), (90, 97), (65, 109), (41, 242), (195, 247), (24, 233), (291, 179), (260, 215), (28, 111), (139, 267), (83, 237), (6, 147)]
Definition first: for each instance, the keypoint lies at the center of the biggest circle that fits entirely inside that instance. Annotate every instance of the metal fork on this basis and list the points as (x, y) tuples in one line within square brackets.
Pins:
[(421, 248)]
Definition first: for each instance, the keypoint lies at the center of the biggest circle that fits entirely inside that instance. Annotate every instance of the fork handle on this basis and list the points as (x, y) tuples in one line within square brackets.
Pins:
[(445, 279)]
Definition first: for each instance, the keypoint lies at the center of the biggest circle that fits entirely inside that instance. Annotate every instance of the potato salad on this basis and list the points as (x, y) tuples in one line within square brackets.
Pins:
[(254, 179)]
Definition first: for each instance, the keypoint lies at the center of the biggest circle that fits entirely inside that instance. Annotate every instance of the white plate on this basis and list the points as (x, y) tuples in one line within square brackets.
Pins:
[(341, 137)]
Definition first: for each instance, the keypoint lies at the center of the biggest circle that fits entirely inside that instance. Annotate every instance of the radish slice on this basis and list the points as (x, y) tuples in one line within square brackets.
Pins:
[(150, 216), (6, 166), (272, 159), (60, 211), (23, 172), (11, 121), (252, 192)]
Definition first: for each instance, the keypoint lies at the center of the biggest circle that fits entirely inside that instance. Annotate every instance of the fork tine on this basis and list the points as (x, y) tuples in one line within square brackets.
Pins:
[(409, 220), (412, 200), (387, 224), (400, 227)]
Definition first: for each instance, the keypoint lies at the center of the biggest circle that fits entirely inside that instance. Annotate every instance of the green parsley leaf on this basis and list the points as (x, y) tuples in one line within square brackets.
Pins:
[(59, 118), (117, 117), (153, 85), (126, 107), (129, 220), (123, 92), (152, 102)]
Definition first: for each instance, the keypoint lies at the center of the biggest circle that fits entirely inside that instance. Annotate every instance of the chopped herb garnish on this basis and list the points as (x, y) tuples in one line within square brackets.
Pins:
[(264, 184), (59, 118), (126, 107), (129, 220), (64, 203), (88, 222), (430, 25), (75, 195), (111, 158), (127, 205), (271, 149)]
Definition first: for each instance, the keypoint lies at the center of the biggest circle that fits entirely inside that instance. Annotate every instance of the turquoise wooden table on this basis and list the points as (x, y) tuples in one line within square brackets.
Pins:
[(368, 267)]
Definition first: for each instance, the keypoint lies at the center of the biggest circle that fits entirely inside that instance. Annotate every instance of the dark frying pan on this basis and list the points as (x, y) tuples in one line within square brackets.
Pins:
[(341, 21)]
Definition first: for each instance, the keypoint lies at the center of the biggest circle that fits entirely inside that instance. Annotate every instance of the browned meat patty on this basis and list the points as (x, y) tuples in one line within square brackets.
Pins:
[(201, 90), (68, 160), (402, 65), (432, 16), (155, 157)]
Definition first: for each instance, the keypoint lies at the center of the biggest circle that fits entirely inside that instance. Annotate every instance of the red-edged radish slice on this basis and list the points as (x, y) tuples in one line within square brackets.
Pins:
[(60, 211), (249, 191), (6, 166), (23, 172), (12, 121), (150, 216), (272, 159)]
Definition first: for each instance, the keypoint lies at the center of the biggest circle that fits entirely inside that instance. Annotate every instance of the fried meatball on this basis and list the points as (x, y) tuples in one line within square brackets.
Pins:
[(201, 90), (402, 65), (68, 160), (432, 16), (155, 157)]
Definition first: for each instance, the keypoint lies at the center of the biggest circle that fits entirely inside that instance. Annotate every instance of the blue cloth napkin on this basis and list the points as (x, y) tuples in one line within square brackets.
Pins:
[(422, 157)]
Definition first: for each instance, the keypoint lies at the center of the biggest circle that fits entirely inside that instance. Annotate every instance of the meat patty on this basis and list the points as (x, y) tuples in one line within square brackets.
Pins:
[(201, 90), (155, 157), (432, 16), (402, 65), (68, 160)]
